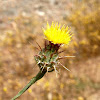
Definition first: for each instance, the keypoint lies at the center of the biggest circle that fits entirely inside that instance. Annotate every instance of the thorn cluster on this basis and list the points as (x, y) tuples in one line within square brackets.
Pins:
[(48, 58)]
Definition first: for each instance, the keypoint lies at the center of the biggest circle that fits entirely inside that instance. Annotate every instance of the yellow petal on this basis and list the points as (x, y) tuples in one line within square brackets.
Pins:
[(57, 34)]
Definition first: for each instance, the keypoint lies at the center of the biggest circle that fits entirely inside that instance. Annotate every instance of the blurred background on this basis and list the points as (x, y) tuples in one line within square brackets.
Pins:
[(21, 23)]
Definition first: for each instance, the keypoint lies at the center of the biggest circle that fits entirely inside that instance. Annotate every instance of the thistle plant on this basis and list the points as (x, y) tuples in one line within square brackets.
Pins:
[(48, 57)]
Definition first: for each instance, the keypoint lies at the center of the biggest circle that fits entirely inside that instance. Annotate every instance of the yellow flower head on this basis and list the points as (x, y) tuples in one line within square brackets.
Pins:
[(57, 34)]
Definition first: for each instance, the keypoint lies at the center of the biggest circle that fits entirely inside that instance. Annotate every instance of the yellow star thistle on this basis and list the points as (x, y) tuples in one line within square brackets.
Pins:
[(48, 57), (57, 34)]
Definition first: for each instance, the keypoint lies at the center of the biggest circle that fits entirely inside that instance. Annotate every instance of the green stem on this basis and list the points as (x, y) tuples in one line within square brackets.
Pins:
[(33, 80)]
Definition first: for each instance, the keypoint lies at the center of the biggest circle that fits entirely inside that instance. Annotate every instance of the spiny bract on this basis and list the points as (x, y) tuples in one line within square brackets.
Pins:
[(48, 57)]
